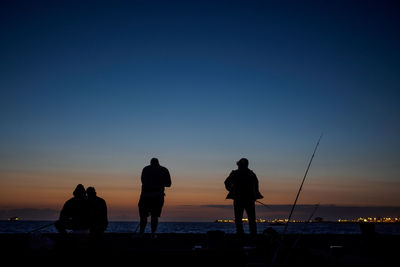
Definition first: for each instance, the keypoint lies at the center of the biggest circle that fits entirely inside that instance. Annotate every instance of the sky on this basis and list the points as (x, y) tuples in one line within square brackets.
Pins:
[(90, 91)]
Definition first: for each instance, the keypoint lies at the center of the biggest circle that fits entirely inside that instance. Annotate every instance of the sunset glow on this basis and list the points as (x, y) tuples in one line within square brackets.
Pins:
[(90, 95)]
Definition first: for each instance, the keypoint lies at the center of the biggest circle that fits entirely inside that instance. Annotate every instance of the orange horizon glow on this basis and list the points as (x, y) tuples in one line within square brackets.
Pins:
[(186, 199)]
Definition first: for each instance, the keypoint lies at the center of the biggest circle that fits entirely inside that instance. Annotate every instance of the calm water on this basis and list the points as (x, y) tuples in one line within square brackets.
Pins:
[(203, 227)]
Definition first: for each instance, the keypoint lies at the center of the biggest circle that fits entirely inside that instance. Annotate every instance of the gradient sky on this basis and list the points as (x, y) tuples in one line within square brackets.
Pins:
[(89, 92)]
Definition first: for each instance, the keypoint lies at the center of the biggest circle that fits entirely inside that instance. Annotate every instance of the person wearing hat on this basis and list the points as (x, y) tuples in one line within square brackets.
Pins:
[(242, 185)]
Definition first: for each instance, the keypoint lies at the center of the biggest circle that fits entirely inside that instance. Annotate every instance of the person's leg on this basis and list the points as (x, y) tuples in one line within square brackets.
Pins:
[(143, 213), (238, 210), (154, 223), (143, 223), (157, 205), (251, 215)]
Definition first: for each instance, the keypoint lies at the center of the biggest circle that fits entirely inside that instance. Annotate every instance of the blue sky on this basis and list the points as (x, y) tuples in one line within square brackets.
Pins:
[(104, 86)]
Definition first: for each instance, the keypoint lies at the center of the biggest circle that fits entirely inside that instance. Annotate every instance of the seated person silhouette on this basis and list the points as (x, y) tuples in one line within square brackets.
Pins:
[(75, 213), (98, 220)]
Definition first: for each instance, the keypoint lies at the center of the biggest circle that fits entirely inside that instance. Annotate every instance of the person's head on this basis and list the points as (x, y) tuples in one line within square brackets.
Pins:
[(154, 162), (91, 192), (79, 191), (243, 163)]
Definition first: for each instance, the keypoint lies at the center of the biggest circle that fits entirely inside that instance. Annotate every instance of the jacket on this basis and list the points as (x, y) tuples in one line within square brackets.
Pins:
[(242, 184)]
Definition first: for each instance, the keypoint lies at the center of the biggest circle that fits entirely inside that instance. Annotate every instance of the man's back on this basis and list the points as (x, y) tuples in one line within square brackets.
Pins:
[(77, 210), (98, 211), (242, 184), (98, 208), (98, 214), (155, 178)]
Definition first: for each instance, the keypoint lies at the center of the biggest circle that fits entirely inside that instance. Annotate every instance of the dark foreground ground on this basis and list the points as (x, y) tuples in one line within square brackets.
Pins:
[(210, 249)]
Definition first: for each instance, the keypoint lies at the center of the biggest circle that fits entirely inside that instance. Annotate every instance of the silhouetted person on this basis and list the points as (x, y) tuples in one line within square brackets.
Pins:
[(75, 213), (98, 212), (154, 179), (242, 185)]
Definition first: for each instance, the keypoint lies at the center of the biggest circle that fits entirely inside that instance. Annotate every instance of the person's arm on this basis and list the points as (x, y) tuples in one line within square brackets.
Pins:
[(167, 182), (105, 211), (256, 188), (142, 177), (65, 211), (229, 182)]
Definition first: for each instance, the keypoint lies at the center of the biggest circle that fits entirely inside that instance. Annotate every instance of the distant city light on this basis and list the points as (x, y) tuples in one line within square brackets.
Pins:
[(283, 221)]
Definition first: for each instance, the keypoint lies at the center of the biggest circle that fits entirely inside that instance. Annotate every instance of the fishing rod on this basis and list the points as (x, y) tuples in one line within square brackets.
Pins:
[(299, 235), (274, 258), (41, 227), (265, 205), (301, 186), (137, 227)]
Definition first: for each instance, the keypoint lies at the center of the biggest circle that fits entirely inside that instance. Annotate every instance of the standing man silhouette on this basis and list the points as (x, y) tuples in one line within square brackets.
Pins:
[(242, 185), (154, 180)]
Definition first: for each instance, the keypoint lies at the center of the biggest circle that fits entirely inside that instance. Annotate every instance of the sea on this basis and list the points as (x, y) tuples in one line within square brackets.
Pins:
[(21, 226)]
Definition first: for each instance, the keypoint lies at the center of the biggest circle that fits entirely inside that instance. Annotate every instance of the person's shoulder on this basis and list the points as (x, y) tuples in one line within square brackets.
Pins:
[(70, 201), (164, 168), (252, 173), (101, 201), (233, 173), (146, 168)]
